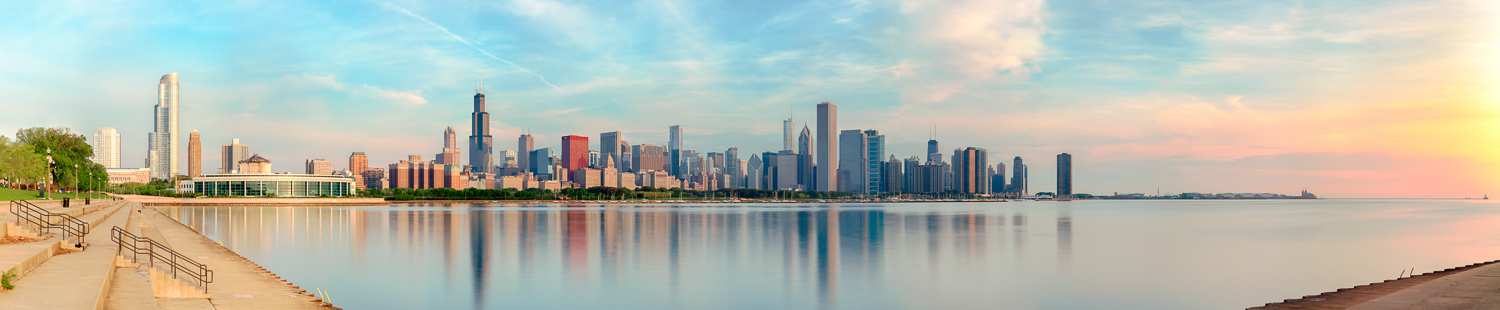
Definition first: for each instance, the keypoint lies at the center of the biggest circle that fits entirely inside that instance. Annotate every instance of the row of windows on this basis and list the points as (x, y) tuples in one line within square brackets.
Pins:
[(277, 188)]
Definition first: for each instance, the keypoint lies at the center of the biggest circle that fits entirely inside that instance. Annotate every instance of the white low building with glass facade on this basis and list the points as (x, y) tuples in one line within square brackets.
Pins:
[(274, 185)]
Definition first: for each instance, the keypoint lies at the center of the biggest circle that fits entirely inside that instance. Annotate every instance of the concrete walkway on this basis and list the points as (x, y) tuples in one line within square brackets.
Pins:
[(1478, 288), (238, 283), (71, 281)]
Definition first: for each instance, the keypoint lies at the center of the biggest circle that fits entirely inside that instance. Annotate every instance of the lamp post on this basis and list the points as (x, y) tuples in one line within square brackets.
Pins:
[(50, 179), (75, 180)]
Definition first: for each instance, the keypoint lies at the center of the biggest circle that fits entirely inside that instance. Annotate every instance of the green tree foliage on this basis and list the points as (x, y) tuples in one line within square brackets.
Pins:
[(19, 166), (70, 153)]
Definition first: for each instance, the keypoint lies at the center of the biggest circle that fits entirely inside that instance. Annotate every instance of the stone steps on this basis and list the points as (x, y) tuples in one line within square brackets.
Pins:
[(78, 280)]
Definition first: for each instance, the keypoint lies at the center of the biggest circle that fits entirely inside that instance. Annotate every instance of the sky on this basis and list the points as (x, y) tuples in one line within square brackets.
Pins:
[(1342, 98)]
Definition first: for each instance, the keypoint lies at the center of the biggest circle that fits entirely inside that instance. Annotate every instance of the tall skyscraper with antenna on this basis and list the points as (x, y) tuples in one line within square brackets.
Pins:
[(932, 147), (481, 143), (787, 141)]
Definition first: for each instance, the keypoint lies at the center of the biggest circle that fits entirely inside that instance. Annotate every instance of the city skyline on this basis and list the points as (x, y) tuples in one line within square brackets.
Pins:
[(1184, 102)]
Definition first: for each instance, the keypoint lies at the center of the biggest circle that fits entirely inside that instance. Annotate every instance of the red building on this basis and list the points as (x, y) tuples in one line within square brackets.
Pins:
[(575, 153)]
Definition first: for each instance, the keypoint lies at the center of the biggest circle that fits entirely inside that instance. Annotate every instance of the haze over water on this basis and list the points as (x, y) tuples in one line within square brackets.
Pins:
[(1018, 255)]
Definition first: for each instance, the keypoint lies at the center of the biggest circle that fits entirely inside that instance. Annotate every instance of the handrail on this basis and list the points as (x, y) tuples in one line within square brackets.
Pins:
[(155, 251), (35, 215)]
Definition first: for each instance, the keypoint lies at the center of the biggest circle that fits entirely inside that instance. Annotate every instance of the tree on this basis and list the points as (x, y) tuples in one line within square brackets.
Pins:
[(66, 148), (21, 166)]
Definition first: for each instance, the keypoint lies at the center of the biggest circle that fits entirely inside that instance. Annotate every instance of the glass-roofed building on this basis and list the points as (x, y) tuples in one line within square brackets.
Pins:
[(277, 185)]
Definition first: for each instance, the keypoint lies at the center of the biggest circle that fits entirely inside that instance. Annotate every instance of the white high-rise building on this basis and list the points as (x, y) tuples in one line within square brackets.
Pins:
[(828, 142), (107, 147), (162, 155)]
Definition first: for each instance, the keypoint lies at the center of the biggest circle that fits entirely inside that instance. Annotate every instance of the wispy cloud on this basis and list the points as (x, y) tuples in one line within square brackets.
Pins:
[(471, 44)]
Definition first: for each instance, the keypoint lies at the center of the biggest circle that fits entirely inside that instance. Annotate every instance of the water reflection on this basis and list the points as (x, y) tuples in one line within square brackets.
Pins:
[(1121, 254), (497, 257)]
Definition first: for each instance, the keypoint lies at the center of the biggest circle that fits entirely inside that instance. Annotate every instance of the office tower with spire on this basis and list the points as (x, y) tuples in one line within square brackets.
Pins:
[(231, 155), (786, 134), (524, 146), (481, 143), (1065, 176), (805, 159), (828, 153), (107, 147), (195, 155), (932, 147), (674, 150), (449, 155), (162, 153)]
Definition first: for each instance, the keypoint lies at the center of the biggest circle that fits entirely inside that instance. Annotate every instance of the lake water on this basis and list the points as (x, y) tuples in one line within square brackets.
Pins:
[(1220, 254)]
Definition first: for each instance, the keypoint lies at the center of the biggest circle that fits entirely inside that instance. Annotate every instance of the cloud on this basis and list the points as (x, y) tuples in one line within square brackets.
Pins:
[(949, 46), (460, 39), (409, 98)]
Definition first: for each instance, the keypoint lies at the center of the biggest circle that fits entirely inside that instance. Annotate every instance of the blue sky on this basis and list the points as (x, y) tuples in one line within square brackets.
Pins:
[(1210, 96)]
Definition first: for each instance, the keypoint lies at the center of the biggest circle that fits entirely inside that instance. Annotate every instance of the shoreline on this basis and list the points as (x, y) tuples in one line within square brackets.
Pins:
[(1363, 295)]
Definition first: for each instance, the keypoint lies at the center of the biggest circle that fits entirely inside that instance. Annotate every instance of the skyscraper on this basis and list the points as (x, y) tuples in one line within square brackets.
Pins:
[(162, 153), (195, 155), (674, 150), (1018, 177), (932, 151), (107, 147), (852, 169), (609, 146), (805, 160), (1064, 176), (319, 167), (893, 175), (523, 152), (828, 152), (873, 153), (575, 153), (732, 169), (481, 143), (232, 154), (358, 164), (786, 135), (970, 170), (449, 156)]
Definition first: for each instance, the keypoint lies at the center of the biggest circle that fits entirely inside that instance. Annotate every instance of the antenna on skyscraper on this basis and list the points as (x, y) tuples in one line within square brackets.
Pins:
[(480, 88)]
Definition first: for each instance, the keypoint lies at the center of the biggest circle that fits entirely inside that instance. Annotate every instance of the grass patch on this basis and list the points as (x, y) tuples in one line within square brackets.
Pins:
[(7, 194)]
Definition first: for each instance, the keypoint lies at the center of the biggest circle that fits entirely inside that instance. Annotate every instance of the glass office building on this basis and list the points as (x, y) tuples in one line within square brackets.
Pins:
[(278, 185)]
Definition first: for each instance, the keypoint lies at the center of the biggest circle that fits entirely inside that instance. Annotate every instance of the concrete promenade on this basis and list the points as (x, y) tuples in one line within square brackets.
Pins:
[(71, 281), (238, 283), (97, 278), (1475, 286)]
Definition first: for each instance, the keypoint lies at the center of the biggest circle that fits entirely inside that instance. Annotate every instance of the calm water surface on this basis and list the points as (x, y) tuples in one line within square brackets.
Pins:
[(1016, 255)]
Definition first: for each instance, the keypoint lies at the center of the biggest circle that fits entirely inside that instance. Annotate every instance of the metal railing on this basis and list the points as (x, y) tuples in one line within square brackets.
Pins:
[(29, 213), (181, 267)]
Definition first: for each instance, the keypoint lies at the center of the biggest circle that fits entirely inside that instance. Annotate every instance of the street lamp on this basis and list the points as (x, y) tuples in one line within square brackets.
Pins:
[(49, 173)]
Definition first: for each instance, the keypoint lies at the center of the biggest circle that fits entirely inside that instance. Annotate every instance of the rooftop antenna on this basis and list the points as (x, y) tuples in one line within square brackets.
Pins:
[(480, 88)]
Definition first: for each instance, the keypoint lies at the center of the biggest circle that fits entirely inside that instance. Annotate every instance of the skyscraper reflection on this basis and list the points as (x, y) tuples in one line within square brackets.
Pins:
[(506, 256)]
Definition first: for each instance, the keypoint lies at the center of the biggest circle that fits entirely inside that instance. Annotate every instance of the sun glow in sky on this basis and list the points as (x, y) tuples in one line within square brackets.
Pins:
[(1344, 98)]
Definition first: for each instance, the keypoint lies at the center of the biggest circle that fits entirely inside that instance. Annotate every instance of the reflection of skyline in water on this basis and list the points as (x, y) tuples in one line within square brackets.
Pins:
[(810, 250), (1076, 255)]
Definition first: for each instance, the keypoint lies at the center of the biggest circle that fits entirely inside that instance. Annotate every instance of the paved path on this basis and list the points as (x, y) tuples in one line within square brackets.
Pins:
[(70, 281), (238, 283), (1478, 288), (131, 289)]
